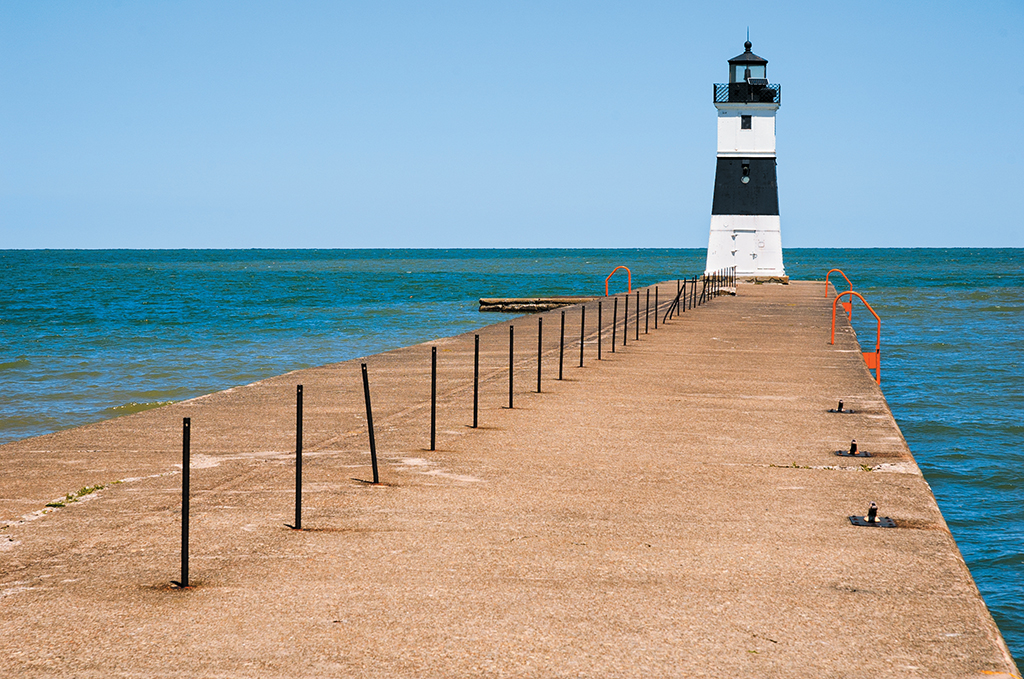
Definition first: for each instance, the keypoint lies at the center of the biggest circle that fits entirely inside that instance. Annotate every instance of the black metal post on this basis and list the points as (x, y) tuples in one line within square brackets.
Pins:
[(511, 358), (599, 330), (636, 321), (540, 337), (186, 455), (583, 329), (433, 398), (625, 318), (656, 307), (674, 305), (677, 295), (561, 346), (647, 312), (369, 425), (298, 458), (476, 378), (615, 321)]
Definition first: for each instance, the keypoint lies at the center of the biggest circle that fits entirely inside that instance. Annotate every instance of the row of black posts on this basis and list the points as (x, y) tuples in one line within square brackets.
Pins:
[(687, 297)]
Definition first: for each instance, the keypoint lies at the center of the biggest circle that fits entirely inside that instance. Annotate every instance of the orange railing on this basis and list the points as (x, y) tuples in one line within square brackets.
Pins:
[(629, 279), (873, 359), (846, 305)]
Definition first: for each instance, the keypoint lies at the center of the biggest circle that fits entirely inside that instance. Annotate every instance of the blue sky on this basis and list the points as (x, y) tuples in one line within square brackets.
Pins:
[(485, 124)]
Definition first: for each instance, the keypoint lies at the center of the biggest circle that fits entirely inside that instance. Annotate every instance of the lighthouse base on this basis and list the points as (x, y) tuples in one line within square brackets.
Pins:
[(751, 243)]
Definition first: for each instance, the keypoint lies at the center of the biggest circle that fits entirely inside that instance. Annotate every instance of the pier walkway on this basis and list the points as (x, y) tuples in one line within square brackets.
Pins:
[(675, 509)]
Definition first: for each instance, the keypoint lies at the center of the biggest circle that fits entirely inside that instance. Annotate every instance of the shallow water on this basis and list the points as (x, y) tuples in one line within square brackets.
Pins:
[(88, 335)]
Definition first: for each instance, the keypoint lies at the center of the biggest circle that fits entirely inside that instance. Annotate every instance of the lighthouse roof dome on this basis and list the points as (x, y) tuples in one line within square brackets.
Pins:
[(748, 57)]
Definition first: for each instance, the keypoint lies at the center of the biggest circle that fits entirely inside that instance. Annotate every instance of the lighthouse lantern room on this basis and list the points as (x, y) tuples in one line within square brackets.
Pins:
[(745, 209)]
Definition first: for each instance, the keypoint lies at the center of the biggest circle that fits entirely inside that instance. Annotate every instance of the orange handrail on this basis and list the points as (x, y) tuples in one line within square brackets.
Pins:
[(848, 306), (840, 273), (629, 279), (873, 359)]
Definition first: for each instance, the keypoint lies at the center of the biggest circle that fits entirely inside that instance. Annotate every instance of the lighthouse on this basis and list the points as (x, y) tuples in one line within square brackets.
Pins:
[(745, 210)]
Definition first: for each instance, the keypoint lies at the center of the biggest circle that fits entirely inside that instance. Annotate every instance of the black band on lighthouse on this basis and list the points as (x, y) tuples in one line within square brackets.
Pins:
[(759, 195)]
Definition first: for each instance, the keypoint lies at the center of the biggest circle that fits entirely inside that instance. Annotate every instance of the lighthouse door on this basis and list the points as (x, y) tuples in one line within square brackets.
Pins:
[(745, 246)]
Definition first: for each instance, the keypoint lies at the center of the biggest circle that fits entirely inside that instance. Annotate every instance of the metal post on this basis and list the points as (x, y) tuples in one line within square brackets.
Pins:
[(433, 398), (615, 321), (369, 425), (656, 307), (511, 344), (625, 318), (636, 322), (561, 346), (186, 454), (540, 337), (677, 294), (647, 312), (583, 328), (674, 305), (298, 458), (476, 378), (599, 330)]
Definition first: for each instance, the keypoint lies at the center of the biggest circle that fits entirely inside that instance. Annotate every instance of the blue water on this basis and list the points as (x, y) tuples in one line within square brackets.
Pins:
[(86, 335)]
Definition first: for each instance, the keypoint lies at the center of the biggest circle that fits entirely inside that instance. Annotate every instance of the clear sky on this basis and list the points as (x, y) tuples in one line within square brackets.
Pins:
[(499, 124)]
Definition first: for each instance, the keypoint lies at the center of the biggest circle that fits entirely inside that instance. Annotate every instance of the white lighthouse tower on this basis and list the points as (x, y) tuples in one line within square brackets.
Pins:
[(745, 210)]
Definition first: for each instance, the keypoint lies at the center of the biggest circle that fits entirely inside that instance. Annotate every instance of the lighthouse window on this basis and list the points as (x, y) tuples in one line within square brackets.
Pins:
[(744, 122)]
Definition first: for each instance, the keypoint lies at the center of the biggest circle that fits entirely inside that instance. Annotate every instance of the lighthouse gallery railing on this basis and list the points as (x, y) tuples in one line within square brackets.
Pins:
[(726, 93)]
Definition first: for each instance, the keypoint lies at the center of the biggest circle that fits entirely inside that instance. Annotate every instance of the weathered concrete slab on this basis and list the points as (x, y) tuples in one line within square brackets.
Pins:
[(673, 510), (529, 304)]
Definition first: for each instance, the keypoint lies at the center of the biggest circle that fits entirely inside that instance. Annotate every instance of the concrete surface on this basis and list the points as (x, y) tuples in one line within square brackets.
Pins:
[(672, 510), (523, 305)]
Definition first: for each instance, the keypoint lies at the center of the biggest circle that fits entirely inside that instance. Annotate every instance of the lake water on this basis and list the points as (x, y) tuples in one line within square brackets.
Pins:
[(91, 334)]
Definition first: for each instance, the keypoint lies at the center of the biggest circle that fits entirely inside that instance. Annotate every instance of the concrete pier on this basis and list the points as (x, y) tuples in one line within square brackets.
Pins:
[(529, 304), (675, 509)]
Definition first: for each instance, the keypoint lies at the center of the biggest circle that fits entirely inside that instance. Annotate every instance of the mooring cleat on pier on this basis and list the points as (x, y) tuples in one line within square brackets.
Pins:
[(853, 451), (873, 519), (841, 410)]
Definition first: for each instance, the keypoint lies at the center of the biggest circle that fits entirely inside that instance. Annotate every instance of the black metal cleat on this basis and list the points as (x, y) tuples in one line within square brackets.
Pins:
[(841, 410), (873, 519), (853, 451)]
